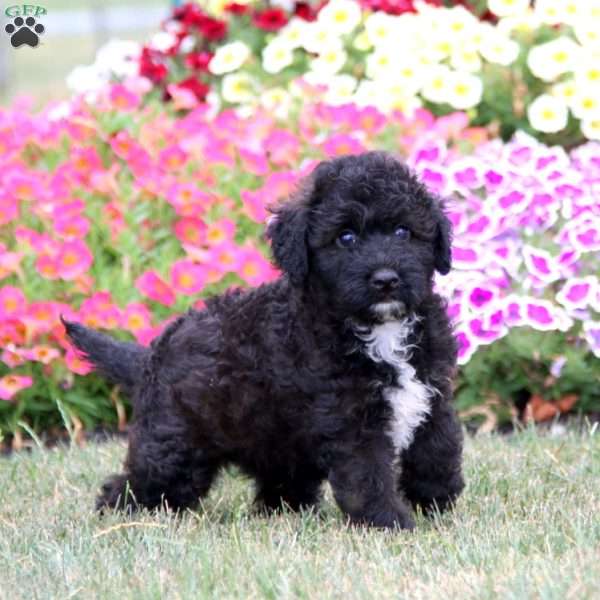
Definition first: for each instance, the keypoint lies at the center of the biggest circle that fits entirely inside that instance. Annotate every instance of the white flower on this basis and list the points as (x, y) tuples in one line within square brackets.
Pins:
[(86, 78), (565, 90), (229, 57), (163, 41), (465, 58), (120, 57), (237, 88), (459, 22), (277, 100), (367, 94), (464, 90), (508, 8), (277, 56), (293, 33), (395, 96), (287, 5), (437, 84), (587, 32), (550, 60), (585, 103), (587, 73), (342, 16), (340, 89), (522, 23), (556, 12), (548, 114), (330, 60), (380, 28), (317, 36), (499, 50), (408, 74), (380, 63), (591, 129)]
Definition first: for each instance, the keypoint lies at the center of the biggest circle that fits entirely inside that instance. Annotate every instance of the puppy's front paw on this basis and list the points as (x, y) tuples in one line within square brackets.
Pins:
[(115, 494), (392, 518)]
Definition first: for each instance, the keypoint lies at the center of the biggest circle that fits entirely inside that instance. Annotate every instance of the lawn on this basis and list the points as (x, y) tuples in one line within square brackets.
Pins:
[(526, 527)]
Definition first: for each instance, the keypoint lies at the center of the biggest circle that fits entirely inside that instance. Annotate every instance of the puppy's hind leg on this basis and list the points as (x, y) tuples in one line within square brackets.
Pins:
[(299, 491), (161, 469)]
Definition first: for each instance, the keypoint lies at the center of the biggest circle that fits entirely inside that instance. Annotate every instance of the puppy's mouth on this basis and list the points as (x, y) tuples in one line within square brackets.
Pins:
[(389, 310)]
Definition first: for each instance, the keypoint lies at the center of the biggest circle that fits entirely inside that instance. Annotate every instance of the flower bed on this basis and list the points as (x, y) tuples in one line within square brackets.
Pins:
[(122, 213), (507, 64)]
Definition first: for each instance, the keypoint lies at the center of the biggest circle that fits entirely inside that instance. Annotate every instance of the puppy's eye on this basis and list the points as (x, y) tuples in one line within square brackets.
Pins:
[(402, 233), (347, 238)]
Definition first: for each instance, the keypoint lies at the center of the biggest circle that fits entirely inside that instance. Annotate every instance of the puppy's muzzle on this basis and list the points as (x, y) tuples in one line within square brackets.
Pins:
[(384, 282)]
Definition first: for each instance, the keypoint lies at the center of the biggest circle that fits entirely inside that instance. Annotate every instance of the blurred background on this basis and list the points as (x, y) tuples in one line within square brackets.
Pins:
[(74, 32)]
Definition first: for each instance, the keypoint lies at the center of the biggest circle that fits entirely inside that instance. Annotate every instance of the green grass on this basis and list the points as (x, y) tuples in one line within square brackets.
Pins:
[(527, 526)]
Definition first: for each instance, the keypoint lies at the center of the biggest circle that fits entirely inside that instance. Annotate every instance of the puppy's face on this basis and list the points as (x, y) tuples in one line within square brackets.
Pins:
[(366, 234)]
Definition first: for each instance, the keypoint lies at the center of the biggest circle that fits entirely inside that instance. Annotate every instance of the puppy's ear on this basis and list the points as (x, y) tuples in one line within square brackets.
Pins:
[(443, 244), (287, 232)]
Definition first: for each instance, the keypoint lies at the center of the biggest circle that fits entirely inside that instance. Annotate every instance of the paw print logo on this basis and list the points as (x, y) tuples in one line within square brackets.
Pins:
[(24, 31)]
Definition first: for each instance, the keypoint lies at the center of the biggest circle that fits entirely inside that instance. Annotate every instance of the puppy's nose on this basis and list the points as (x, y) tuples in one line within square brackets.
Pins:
[(384, 280)]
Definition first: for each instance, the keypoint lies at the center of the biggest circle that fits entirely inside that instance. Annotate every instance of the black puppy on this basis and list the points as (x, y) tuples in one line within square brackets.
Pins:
[(339, 370)]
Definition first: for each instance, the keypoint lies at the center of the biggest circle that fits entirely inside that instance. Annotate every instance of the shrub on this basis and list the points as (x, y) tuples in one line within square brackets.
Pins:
[(516, 67)]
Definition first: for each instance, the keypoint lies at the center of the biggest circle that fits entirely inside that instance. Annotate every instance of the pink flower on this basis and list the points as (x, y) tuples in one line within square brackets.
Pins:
[(12, 384), (123, 98), (190, 231), (73, 260), (220, 231), (44, 354), (578, 292), (72, 227), (152, 286), (342, 143), (12, 302), (541, 264), (187, 277), (77, 364), (254, 268), (136, 317)]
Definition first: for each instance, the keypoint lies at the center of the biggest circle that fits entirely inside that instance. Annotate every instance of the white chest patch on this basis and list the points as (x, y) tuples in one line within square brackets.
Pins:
[(410, 399)]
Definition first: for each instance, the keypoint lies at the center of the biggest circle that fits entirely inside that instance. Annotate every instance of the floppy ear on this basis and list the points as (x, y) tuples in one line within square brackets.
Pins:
[(287, 232), (443, 244)]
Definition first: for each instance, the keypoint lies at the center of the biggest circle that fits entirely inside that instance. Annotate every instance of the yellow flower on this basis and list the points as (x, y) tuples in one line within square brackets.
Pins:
[(548, 114)]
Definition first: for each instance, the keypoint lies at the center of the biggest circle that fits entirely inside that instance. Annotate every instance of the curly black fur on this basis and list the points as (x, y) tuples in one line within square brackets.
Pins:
[(279, 380)]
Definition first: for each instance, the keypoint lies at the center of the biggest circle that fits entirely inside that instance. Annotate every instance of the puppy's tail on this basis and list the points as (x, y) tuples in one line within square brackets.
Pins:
[(120, 362)]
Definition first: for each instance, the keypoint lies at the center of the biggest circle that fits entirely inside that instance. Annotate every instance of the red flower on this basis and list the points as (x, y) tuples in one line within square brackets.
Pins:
[(198, 60), (197, 87), (155, 71), (305, 11), (213, 29), (271, 19), (236, 9), (392, 7), (190, 15)]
